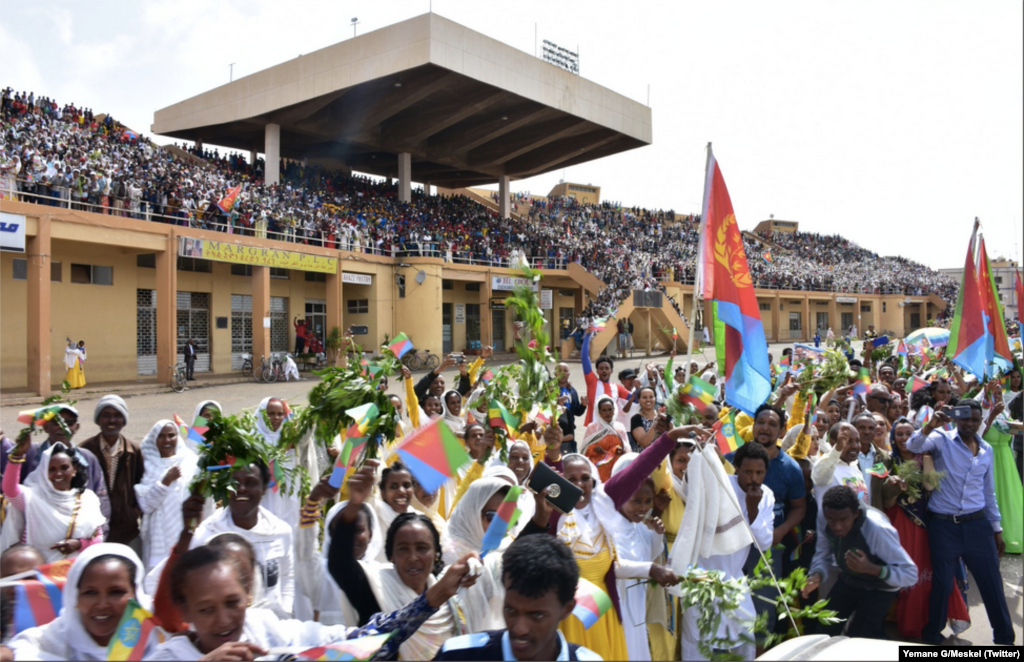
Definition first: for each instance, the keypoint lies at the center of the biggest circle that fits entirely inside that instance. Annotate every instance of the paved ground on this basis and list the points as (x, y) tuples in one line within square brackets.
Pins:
[(148, 407)]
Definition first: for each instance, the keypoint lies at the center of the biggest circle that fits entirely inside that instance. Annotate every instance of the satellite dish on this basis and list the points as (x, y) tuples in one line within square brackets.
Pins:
[(420, 277)]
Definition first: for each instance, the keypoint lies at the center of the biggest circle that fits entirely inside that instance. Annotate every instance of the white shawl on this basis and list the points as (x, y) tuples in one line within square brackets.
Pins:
[(66, 638), (392, 594), (456, 423), (332, 602), (465, 531), (49, 512), (582, 528), (161, 504), (712, 524), (204, 403), (386, 514), (71, 357)]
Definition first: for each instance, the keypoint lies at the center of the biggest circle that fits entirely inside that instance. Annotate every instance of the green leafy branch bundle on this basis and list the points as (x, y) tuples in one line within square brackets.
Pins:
[(681, 413), (236, 437), (537, 384), (786, 603), (54, 401), (339, 390), (915, 478), (832, 372)]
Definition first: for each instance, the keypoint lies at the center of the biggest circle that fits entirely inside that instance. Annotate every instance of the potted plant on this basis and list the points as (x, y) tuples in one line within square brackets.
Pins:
[(333, 344)]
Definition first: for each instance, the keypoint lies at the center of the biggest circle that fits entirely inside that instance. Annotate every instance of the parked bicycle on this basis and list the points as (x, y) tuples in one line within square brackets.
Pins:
[(421, 359), (247, 370), (178, 381)]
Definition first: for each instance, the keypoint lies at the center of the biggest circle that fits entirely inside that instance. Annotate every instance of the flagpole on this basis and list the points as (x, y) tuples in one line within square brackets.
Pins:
[(696, 281)]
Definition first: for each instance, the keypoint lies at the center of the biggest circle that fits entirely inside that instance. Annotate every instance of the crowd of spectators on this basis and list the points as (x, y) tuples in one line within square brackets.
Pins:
[(67, 156)]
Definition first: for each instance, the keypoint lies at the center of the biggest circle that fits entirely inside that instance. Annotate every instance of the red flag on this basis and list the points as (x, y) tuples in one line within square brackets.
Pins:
[(227, 203), (990, 306)]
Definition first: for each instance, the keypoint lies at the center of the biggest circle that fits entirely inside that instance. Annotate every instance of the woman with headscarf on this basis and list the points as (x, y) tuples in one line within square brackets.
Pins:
[(74, 361), (62, 516), (207, 409), (481, 605), (909, 516), (604, 440), (170, 466), (592, 544), (412, 548), (211, 589), (367, 541), (639, 542), (270, 418), (451, 403), (99, 585)]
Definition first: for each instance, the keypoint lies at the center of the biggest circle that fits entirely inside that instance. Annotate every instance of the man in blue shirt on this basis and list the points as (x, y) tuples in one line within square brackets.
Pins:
[(964, 519), (540, 577)]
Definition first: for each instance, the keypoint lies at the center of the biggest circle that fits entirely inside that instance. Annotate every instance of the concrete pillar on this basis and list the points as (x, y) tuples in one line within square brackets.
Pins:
[(833, 316), (260, 313), (426, 189), (776, 317), (252, 157), (167, 309), (38, 328), (404, 177), (486, 336), (199, 144), (504, 202), (272, 150), (709, 320), (334, 302), (805, 326)]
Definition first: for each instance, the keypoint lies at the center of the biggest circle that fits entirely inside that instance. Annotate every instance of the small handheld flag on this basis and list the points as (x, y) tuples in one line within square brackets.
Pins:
[(500, 417), (227, 203), (37, 601), (400, 345), (363, 648), (354, 442), (915, 384), (698, 393), (38, 416), (433, 454), (863, 383), (591, 603), (878, 470), (725, 434), (363, 415), (598, 325), (129, 642), (767, 257), (504, 519)]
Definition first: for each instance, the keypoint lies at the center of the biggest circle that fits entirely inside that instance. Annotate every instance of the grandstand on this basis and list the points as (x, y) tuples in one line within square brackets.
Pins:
[(116, 223)]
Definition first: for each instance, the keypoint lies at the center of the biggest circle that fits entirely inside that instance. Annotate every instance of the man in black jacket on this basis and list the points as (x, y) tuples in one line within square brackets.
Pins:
[(190, 359), (540, 576)]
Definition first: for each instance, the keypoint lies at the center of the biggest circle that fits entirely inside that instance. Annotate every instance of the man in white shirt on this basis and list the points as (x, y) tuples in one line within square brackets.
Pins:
[(840, 466), (757, 503)]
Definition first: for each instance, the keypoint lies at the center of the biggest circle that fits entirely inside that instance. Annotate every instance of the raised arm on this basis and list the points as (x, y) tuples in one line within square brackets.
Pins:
[(585, 353)]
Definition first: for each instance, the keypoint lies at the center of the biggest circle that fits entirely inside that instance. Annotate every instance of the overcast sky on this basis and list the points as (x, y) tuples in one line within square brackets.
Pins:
[(892, 123)]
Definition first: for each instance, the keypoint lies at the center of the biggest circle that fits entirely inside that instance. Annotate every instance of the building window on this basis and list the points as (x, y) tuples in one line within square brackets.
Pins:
[(146, 260), (865, 308), (88, 274), (56, 274), (447, 284), (400, 280), (194, 264), (316, 277), (566, 293), (472, 287), (277, 272), (241, 269), (883, 306), (358, 306), (999, 280), (764, 306), (20, 269)]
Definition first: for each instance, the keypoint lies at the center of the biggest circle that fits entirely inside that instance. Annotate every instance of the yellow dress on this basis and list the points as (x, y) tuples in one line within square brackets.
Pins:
[(665, 641), (76, 374), (605, 637)]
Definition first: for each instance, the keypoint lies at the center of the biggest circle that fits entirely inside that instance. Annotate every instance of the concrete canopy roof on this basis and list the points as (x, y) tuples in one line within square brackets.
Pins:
[(468, 108)]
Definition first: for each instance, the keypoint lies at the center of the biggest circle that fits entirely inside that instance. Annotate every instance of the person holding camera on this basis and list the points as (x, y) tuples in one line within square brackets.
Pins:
[(964, 520)]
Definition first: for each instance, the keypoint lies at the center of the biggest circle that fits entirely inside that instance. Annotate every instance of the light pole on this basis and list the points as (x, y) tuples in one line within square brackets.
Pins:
[(231, 72), (355, 22)]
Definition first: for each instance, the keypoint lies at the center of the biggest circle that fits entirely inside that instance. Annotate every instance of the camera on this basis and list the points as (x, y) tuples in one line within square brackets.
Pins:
[(960, 412)]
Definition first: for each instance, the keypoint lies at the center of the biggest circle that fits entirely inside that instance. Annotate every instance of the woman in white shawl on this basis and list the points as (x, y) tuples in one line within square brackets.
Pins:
[(170, 466), (62, 516), (481, 605), (270, 417), (451, 404), (333, 605), (74, 361), (210, 589), (604, 440), (413, 548), (86, 622)]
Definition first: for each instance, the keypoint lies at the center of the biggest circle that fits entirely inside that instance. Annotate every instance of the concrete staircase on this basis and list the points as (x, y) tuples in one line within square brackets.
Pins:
[(585, 279), (652, 328), (476, 197)]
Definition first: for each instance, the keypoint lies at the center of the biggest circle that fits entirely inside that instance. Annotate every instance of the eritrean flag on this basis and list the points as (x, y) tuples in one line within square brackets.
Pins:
[(500, 417), (698, 393), (38, 416), (129, 642), (227, 203), (998, 345), (767, 257), (863, 383), (591, 603), (354, 442), (433, 454), (363, 648), (196, 432), (725, 433), (400, 345), (506, 517), (723, 276), (915, 384), (38, 600)]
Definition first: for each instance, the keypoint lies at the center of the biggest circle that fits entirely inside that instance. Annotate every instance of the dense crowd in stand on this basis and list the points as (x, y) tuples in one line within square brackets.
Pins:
[(68, 156)]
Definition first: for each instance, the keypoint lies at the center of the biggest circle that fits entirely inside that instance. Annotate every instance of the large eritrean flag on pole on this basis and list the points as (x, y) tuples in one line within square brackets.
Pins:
[(723, 276), (1018, 285), (998, 346)]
